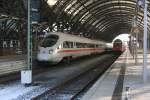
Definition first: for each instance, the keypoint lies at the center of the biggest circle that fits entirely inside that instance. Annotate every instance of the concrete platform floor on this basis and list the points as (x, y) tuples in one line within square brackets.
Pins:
[(11, 58), (46, 80), (123, 81), (138, 90), (12, 63)]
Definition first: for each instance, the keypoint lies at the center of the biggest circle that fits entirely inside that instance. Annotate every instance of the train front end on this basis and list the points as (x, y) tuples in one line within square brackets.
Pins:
[(48, 49)]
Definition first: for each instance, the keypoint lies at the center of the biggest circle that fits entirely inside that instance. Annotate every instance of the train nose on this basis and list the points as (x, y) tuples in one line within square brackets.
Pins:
[(42, 57)]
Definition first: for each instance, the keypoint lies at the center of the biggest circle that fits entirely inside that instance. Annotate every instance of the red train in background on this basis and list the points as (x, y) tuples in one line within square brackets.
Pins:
[(118, 45)]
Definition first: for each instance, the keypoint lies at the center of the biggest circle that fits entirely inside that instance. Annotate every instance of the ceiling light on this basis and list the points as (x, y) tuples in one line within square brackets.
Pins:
[(51, 2)]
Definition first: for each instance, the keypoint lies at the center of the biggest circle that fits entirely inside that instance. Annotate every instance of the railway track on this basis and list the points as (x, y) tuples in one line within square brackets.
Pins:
[(74, 88), (11, 71)]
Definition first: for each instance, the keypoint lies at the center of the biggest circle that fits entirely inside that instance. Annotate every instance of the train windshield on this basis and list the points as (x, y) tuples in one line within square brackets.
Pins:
[(49, 41)]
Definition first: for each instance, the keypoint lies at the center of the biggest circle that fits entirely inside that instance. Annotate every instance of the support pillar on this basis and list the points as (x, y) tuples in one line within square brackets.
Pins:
[(145, 45), (26, 75)]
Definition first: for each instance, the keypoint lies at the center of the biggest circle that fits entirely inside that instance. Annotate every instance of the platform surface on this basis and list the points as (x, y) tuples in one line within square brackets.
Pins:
[(122, 81), (48, 79)]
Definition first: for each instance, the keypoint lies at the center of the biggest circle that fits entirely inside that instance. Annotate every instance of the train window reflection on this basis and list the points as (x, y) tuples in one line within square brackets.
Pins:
[(49, 41), (68, 44)]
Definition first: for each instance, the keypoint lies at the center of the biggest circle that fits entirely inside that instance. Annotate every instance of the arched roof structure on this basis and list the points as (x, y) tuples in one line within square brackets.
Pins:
[(102, 16), (102, 19), (13, 18), (13, 21)]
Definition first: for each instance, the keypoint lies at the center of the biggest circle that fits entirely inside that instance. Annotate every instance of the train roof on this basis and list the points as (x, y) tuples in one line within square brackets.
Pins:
[(70, 37)]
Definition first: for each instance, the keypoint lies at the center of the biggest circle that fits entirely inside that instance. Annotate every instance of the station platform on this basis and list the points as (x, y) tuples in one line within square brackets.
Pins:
[(12, 63), (122, 81), (12, 58)]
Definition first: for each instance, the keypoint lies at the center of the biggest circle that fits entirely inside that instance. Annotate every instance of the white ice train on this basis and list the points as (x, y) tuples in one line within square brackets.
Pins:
[(57, 46)]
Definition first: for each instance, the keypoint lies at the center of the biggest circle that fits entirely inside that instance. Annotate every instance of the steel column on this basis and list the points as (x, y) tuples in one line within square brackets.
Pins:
[(29, 38), (26, 75), (145, 45)]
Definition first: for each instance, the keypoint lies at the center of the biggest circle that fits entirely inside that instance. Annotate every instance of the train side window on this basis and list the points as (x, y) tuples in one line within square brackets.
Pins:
[(84, 45), (71, 44), (74, 45), (65, 45), (1, 44), (96, 45), (87, 45), (91, 45), (99, 45), (68, 44), (79, 45)]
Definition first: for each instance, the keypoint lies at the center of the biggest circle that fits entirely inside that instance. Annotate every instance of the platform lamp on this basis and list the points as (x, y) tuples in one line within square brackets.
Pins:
[(26, 75), (143, 4)]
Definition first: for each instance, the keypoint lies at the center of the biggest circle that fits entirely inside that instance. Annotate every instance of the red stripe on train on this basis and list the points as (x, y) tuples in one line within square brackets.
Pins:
[(77, 50)]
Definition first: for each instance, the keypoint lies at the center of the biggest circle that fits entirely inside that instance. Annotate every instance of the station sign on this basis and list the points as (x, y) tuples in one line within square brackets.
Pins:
[(35, 4)]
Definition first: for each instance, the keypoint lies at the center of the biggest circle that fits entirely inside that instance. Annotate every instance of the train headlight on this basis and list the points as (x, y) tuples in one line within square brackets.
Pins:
[(50, 51)]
